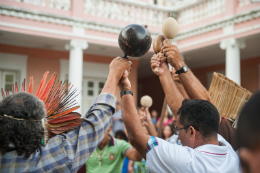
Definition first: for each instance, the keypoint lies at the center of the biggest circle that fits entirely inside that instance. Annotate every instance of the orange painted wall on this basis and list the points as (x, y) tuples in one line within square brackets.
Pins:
[(42, 60), (36, 67)]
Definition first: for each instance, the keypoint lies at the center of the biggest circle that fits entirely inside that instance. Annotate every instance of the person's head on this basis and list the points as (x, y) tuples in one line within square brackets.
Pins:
[(248, 138), (167, 131), (120, 134), (20, 123), (199, 120), (154, 114), (118, 106)]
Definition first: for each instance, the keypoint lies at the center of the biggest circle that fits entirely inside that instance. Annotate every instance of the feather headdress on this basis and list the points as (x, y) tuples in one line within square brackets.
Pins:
[(59, 102)]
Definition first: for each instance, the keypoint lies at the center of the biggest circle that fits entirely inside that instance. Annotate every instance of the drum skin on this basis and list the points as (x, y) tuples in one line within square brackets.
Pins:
[(135, 40)]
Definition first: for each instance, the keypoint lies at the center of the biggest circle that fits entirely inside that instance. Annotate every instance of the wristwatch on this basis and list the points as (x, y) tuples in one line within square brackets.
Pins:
[(125, 92), (184, 69)]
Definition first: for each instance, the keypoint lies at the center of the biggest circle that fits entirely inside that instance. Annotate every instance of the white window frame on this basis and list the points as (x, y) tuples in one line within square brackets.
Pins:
[(3, 73), (13, 63), (86, 99)]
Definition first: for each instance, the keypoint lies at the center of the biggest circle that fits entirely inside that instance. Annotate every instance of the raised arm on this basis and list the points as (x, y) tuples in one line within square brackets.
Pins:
[(148, 122), (133, 154), (131, 118), (173, 96), (77, 145), (178, 83), (192, 85)]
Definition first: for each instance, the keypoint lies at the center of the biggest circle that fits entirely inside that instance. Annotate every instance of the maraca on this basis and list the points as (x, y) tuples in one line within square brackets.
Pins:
[(146, 101), (157, 45), (170, 29), (134, 40)]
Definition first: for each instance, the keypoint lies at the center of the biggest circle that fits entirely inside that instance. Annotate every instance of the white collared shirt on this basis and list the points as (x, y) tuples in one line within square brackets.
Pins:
[(164, 157)]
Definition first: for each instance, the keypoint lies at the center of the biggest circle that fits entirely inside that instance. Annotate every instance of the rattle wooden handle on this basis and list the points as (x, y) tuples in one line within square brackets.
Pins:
[(156, 69)]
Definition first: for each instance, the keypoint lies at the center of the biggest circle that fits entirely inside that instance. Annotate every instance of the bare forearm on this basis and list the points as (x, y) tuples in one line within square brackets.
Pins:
[(193, 87), (173, 96), (133, 125), (134, 155), (181, 89), (110, 85)]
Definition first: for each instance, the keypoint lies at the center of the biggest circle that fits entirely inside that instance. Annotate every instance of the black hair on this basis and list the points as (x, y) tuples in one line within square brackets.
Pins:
[(201, 114), (26, 134), (122, 134), (248, 127)]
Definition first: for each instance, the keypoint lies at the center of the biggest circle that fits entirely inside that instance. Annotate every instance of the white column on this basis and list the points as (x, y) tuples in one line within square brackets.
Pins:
[(76, 48), (232, 47)]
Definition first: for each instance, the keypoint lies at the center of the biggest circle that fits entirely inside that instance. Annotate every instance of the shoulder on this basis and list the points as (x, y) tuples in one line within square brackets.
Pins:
[(174, 158), (120, 143)]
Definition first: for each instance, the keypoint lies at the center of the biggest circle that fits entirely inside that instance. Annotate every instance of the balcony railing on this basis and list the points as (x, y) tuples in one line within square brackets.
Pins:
[(57, 4), (125, 11), (244, 2), (201, 11)]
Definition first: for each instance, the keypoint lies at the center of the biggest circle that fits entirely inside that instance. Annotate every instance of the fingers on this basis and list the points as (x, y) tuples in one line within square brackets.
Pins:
[(169, 46), (125, 75), (155, 65), (165, 42), (130, 67), (163, 59)]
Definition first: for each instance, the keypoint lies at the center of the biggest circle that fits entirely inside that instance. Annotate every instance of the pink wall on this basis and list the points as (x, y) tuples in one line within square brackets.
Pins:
[(42, 60), (249, 73), (36, 67)]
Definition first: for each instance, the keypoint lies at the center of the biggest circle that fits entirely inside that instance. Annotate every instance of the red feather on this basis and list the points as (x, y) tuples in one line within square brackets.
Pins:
[(7, 92), (39, 91), (30, 87), (65, 112), (13, 88), (16, 87), (3, 93), (67, 127), (48, 87), (69, 116)]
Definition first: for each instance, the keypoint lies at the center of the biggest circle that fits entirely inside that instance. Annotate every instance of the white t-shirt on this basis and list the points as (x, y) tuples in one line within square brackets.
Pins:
[(163, 157)]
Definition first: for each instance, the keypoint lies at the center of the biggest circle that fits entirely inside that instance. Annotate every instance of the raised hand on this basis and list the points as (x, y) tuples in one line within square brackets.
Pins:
[(156, 62), (173, 55), (174, 75), (124, 83), (118, 66)]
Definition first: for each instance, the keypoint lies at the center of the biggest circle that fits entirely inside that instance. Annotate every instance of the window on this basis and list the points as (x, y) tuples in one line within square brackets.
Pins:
[(90, 90), (7, 78)]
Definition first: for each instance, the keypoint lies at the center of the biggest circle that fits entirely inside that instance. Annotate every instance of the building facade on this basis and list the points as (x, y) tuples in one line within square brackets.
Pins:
[(77, 39)]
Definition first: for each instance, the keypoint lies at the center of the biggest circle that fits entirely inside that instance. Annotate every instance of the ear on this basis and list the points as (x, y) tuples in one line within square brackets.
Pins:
[(192, 133)]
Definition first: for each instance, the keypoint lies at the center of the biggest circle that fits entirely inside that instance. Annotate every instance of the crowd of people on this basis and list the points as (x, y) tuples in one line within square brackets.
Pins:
[(118, 137)]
